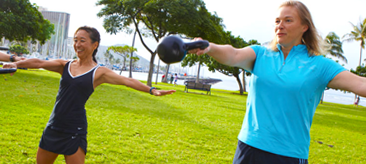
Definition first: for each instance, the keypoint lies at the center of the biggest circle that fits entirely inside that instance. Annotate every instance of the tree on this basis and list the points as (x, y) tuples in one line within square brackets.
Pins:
[(123, 51), (192, 59), (107, 54), (335, 48), (18, 50), (213, 65), (214, 33), (358, 34), (158, 19), (133, 60), (15, 15), (360, 71), (118, 60), (111, 59), (131, 50), (133, 43), (236, 42), (246, 73)]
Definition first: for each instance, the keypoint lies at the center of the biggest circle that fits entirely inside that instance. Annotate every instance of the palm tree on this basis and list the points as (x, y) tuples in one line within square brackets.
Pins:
[(335, 48), (358, 34)]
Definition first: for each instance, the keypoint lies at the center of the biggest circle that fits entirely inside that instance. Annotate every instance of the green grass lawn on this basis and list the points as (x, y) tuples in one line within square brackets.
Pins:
[(127, 126)]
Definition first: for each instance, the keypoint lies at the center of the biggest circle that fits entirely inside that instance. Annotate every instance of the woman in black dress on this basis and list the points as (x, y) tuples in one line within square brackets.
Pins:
[(66, 129)]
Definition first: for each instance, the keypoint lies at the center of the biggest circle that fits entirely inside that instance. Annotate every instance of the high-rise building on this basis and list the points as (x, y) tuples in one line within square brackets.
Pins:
[(56, 47)]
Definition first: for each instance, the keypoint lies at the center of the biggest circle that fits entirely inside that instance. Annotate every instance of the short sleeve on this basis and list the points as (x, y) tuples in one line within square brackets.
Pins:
[(256, 48), (330, 69), (259, 51)]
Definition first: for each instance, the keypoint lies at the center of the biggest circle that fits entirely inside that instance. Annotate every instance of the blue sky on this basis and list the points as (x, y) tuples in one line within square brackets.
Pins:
[(246, 18)]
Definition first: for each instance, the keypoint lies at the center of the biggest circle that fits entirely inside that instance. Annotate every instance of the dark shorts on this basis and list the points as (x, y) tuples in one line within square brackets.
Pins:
[(62, 143), (246, 154)]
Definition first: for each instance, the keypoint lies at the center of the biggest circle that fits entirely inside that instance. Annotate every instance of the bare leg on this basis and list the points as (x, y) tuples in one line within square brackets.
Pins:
[(76, 158), (45, 157)]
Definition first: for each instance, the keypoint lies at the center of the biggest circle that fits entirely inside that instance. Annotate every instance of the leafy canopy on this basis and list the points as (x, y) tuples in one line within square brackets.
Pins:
[(18, 50), (157, 19), (335, 48), (15, 15)]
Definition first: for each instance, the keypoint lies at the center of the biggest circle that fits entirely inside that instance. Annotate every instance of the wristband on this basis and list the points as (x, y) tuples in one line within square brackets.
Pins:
[(12, 59), (151, 90)]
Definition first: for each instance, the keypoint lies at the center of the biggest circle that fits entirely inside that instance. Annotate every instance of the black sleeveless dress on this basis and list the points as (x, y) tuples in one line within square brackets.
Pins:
[(67, 127)]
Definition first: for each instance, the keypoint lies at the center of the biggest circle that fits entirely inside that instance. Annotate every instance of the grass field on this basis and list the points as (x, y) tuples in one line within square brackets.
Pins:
[(127, 126)]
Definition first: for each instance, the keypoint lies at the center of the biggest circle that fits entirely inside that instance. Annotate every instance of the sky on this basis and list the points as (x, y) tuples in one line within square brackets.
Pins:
[(249, 19)]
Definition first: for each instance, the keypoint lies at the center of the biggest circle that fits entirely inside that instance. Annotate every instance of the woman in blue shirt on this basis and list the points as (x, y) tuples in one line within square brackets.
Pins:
[(288, 79)]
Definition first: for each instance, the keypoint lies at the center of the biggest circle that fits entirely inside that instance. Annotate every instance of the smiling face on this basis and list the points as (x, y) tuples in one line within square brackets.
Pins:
[(83, 45), (289, 28)]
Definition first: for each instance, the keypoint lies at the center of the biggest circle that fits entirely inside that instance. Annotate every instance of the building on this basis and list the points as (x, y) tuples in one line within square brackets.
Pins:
[(57, 46)]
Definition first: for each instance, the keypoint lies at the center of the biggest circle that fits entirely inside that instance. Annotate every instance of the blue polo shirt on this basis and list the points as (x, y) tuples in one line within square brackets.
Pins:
[(283, 96)]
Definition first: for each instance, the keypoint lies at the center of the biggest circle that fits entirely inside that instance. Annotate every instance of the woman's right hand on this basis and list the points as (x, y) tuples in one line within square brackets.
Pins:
[(198, 51)]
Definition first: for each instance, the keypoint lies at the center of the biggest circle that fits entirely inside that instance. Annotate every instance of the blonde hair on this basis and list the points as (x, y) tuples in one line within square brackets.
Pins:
[(311, 38)]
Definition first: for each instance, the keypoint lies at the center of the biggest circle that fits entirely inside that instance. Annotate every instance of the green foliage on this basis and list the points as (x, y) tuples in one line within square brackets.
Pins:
[(360, 71), (135, 59), (16, 15), (236, 42), (212, 64), (335, 48), (18, 50), (216, 34), (123, 51), (358, 34), (158, 19), (128, 126)]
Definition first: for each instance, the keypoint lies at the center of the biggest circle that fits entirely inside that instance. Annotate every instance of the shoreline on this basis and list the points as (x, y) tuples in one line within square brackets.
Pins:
[(230, 84)]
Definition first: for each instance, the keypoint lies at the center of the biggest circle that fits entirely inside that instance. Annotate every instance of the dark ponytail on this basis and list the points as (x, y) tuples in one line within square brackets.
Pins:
[(94, 36)]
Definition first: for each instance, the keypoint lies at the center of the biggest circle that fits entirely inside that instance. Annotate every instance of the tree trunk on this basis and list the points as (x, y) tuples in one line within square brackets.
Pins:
[(244, 83), (133, 43), (239, 83), (198, 73), (321, 100), (157, 73), (123, 66), (151, 69), (165, 80), (359, 64)]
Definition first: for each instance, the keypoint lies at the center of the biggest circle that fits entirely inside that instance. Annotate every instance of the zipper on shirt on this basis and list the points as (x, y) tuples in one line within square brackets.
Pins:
[(283, 64)]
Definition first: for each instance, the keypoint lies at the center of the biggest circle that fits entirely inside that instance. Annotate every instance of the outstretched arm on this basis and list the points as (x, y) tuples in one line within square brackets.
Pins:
[(51, 65), (105, 75), (350, 82), (228, 55), (12, 58)]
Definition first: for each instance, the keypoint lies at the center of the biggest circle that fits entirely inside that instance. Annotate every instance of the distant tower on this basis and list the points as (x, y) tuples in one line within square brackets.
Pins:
[(56, 47)]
